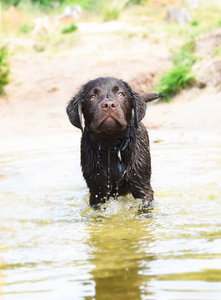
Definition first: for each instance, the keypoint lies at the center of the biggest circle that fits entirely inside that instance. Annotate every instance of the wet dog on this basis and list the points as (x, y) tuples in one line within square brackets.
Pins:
[(115, 156)]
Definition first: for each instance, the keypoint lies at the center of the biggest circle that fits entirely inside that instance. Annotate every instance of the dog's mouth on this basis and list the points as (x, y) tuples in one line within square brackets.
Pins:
[(110, 123)]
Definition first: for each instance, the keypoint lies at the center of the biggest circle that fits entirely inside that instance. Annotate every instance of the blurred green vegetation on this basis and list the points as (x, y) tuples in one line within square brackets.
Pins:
[(4, 68), (195, 23), (178, 77), (25, 28), (71, 28), (111, 9), (48, 4), (143, 18)]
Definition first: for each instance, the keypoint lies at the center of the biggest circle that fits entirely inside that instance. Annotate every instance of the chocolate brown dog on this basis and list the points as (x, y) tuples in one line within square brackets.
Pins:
[(115, 155)]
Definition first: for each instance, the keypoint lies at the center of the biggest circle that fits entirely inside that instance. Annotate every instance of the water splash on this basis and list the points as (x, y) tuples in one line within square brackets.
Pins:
[(117, 190)]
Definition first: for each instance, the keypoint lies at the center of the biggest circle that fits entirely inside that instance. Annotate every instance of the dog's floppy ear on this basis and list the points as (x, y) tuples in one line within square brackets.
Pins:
[(139, 106), (139, 103), (151, 96), (74, 110)]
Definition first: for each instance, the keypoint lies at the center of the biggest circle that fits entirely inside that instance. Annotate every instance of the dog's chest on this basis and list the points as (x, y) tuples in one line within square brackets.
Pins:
[(113, 165)]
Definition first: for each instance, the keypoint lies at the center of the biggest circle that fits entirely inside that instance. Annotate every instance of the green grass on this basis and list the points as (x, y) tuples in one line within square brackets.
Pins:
[(178, 77), (25, 28), (111, 9), (174, 81), (194, 23), (71, 28), (90, 5), (217, 51), (110, 14), (48, 5), (4, 68)]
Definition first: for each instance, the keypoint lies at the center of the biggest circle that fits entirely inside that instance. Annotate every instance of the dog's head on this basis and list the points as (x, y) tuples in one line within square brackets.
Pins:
[(108, 104)]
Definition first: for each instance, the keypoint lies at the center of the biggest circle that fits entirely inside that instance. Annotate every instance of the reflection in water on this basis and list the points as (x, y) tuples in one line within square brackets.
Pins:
[(2, 277), (117, 253), (53, 246)]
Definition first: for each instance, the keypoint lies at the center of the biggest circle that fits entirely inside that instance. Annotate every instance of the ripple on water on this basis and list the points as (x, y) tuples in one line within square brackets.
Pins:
[(54, 245)]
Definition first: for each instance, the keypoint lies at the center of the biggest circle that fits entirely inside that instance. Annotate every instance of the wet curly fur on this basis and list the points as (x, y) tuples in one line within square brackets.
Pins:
[(115, 156)]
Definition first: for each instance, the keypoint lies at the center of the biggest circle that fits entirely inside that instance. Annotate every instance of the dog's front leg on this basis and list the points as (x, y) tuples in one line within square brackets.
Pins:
[(96, 200), (97, 191), (144, 193)]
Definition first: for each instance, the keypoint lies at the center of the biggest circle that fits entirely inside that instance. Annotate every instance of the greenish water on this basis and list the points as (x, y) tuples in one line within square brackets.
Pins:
[(53, 246)]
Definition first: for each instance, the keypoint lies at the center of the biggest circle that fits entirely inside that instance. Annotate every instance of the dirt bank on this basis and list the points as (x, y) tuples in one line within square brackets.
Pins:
[(42, 84)]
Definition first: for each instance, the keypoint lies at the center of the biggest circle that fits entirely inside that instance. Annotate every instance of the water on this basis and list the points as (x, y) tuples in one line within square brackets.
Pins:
[(53, 246)]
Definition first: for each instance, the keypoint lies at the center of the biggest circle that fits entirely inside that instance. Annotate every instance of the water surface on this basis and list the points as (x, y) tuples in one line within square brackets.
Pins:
[(53, 246)]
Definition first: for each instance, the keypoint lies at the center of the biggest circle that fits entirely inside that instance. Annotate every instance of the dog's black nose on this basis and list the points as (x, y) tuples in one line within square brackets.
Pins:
[(109, 105)]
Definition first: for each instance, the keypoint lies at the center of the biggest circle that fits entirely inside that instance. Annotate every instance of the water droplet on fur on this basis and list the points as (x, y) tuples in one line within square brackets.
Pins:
[(117, 188), (108, 174), (119, 155)]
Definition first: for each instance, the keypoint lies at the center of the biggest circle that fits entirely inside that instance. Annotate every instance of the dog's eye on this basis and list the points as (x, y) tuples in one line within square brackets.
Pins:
[(121, 94), (92, 97)]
